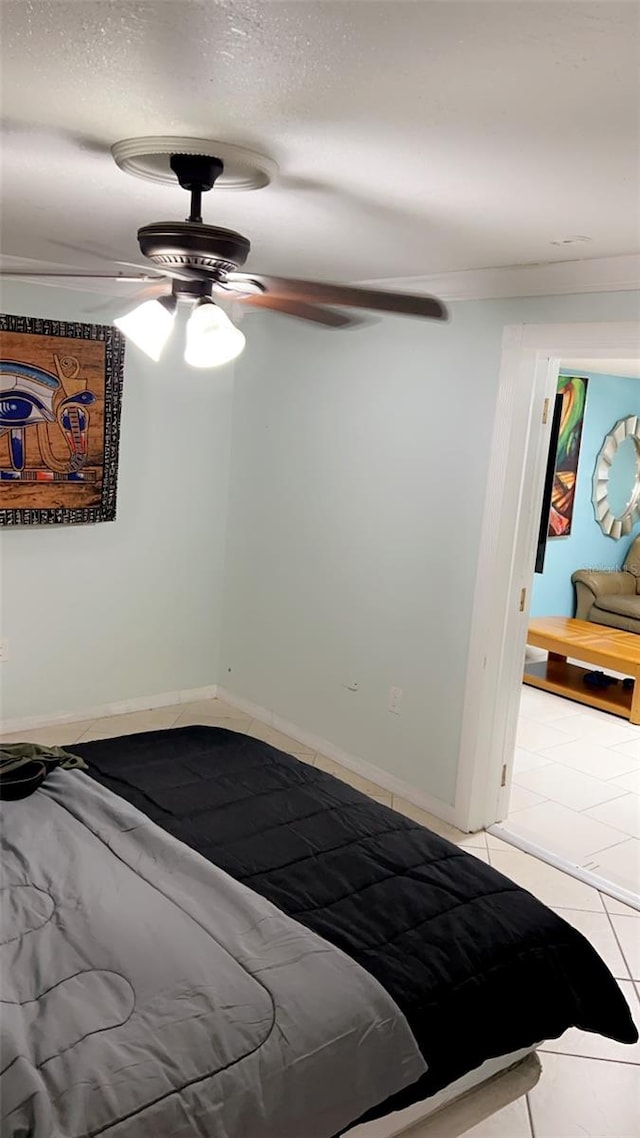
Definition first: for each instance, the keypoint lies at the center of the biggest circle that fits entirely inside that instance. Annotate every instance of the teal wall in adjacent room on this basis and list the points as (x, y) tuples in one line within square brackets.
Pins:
[(609, 398)]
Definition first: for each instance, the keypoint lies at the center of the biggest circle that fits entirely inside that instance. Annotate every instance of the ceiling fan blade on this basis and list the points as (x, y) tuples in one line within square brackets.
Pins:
[(320, 292), (123, 277), (97, 252), (159, 288), (311, 312)]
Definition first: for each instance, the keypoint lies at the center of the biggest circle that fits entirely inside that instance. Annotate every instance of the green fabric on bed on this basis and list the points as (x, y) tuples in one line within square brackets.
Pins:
[(16, 755)]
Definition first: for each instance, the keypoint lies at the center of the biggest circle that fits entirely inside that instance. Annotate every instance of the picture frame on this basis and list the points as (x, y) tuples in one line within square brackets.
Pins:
[(60, 407)]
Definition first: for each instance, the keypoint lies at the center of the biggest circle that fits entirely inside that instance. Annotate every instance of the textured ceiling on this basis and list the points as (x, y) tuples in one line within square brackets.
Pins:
[(628, 368), (412, 138)]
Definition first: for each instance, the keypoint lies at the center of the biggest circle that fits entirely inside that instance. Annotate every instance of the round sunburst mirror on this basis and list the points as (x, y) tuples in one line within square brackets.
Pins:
[(616, 481)]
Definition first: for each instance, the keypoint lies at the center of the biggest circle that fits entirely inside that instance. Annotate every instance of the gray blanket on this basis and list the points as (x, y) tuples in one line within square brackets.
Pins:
[(146, 994)]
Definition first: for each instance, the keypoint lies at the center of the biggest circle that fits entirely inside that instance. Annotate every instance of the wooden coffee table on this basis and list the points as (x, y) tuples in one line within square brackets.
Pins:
[(597, 645)]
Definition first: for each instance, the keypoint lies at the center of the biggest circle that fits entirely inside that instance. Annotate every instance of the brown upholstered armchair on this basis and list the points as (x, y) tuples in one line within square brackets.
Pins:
[(611, 598)]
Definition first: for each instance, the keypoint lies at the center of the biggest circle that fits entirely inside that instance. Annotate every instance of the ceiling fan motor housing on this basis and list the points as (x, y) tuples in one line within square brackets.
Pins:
[(176, 244)]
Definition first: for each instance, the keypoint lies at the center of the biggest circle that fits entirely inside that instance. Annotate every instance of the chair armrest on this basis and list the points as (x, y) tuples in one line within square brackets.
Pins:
[(605, 584)]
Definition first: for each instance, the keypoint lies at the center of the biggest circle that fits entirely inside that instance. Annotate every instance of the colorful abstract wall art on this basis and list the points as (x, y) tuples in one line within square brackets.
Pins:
[(574, 397), (60, 396)]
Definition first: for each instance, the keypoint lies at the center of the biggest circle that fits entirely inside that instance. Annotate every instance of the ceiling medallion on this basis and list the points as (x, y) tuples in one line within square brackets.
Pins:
[(149, 158)]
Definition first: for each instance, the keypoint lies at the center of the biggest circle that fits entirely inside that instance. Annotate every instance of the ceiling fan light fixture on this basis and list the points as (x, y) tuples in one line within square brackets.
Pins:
[(212, 339), (149, 324)]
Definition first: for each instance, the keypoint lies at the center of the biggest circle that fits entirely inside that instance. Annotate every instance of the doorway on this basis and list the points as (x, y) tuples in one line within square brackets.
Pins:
[(532, 359)]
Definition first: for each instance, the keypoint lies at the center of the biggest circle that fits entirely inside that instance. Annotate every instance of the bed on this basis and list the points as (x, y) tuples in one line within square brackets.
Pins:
[(475, 967)]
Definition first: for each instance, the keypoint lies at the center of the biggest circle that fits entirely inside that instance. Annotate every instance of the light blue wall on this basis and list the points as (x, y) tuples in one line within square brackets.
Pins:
[(96, 614), (358, 477), (358, 474), (609, 398)]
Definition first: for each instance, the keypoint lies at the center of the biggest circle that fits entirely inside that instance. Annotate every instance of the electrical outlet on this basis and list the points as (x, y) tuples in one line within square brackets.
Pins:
[(4, 649), (395, 699)]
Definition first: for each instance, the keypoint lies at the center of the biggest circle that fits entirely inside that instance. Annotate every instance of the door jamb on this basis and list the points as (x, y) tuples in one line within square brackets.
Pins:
[(531, 354)]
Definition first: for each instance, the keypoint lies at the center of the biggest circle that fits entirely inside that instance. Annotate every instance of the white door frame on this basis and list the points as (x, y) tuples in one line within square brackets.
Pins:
[(531, 356)]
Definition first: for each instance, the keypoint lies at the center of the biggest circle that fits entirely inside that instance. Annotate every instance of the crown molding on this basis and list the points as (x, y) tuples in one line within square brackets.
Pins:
[(596, 274)]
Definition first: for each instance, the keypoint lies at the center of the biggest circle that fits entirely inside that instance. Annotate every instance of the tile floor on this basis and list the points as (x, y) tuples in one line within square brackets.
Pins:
[(590, 1087), (576, 785)]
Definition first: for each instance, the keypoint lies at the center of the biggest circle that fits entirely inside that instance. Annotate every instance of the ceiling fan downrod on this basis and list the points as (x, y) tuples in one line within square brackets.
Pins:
[(196, 173)]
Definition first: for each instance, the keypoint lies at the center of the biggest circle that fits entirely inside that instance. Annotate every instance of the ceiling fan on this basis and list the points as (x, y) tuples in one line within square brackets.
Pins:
[(200, 260)]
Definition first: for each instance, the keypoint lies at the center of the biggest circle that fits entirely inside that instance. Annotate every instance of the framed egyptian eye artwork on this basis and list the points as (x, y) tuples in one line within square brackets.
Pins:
[(60, 398)]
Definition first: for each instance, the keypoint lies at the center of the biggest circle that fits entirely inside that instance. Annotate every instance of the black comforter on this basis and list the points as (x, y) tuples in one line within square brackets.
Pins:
[(479, 967)]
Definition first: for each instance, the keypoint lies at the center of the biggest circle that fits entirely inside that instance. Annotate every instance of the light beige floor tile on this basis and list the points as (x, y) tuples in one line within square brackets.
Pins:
[(592, 1046), (495, 843), (596, 927), (228, 711), (585, 1098), (632, 748), (521, 798), (278, 739), (538, 737), (592, 758), (620, 865), (622, 813), (612, 905), (545, 707), (569, 787), (473, 841), (572, 835), (627, 930), (175, 708), (189, 718), (482, 855), (557, 889), (111, 726), (607, 730), (58, 735), (528, 761), (630, 781), (598, 716), (215, 707)]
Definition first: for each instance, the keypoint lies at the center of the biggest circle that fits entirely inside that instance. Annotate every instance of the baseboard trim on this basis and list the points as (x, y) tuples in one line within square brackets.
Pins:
[(618, 892), (351, 762), (101, 711), (255, 711)]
